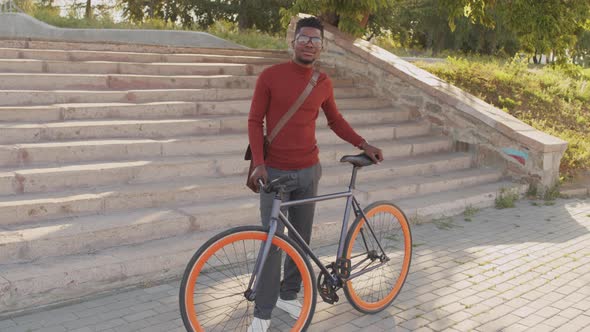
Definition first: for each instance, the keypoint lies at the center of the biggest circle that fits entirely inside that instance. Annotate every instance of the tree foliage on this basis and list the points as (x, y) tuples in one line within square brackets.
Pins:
[(260, 14), (350, 16), (546, 26), (506, 27)]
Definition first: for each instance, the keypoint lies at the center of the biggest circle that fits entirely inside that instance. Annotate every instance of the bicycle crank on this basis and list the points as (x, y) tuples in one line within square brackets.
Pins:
[(327, 288)]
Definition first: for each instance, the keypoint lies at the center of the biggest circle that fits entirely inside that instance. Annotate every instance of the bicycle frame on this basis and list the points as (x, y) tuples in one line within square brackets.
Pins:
[(278, 216)]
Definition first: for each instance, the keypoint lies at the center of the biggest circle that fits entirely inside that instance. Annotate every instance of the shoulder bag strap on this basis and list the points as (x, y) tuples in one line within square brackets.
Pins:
[(312, 83)]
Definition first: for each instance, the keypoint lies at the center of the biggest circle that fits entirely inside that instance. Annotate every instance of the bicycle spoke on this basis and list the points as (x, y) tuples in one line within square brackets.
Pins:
[(381, 233), (217, 298)]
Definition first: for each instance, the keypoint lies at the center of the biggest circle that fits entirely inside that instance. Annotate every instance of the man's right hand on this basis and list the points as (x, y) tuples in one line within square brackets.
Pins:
[(259, 173)]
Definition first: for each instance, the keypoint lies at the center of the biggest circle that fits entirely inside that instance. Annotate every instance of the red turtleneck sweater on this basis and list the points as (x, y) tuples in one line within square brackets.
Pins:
[(295, 146)]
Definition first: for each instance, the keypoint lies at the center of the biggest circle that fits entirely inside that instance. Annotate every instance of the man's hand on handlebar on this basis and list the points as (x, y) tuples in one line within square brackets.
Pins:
[(259, 173)]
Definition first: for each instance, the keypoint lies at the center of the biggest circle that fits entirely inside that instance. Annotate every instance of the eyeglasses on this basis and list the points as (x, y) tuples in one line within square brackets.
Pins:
[(303, 40)]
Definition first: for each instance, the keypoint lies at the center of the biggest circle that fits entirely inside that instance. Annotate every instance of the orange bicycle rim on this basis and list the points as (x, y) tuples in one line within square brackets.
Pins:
[(248, 235), (370, 306)]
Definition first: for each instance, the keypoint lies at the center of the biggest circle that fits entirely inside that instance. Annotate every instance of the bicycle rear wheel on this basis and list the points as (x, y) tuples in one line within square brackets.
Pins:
[(216, 279), (381, 279)]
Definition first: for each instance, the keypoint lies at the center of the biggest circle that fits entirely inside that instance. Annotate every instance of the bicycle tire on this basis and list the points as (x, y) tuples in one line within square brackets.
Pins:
[(376, 289), (204, 296)]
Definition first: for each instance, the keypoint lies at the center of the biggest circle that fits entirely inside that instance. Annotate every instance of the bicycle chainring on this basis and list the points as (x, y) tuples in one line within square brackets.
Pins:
[(327, 288)]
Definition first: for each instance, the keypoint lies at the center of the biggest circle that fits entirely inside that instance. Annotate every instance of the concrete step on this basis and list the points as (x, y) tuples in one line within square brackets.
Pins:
[(130, 149), (14, 133), (77, 130), (43, 98), (135, 68), (348, 103), (456, 201), (129, 47), (26, 242), (167, 110), (31, 207), (18, 81), (70, 177), (142, 57), (52, 280), (134, 48), (91, 111)]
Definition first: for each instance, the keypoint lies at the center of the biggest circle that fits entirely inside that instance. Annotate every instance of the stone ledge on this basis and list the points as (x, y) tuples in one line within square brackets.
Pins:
[(18, 25), (496, 137), (450, 94)]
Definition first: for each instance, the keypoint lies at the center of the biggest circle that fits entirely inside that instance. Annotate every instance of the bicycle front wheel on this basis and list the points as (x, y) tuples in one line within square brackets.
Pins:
[(212, 292), (380, 257)]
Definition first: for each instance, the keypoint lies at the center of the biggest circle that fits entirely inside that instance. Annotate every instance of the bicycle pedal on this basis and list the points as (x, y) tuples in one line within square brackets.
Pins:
[(343, 267), (329, 297)]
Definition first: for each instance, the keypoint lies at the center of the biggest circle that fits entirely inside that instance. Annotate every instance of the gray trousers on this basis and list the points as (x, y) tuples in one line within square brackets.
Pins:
[(301, 217)]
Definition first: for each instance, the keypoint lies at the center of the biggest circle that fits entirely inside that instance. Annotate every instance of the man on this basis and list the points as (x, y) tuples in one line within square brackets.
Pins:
[(293, 150)]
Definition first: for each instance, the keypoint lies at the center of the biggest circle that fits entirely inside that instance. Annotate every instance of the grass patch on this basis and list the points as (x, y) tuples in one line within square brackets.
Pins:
[(553, 99), (532, 191), (249, 38), (506, 199), (551, 193), (469, 213), (444, 223)]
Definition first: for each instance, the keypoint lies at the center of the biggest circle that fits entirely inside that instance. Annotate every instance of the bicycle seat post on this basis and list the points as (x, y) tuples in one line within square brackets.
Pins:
[(353, 178)]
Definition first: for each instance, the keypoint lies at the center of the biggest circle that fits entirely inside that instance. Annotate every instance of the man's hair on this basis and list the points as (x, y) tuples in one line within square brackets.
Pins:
[(309, 22)]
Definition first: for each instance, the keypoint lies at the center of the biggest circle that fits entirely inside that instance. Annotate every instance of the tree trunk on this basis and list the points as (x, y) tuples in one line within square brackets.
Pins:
[(365, 20), (88, 13), (244, 22), (331, 18)]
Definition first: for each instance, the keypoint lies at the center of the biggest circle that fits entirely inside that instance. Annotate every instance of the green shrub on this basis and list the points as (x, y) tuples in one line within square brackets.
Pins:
[(250, 38), (506, 199)]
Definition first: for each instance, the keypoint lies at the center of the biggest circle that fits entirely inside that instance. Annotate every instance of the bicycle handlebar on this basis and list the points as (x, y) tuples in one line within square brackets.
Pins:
[(277, 184)]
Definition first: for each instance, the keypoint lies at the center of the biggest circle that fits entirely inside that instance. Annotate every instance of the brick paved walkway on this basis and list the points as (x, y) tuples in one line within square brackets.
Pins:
[(526, 268)]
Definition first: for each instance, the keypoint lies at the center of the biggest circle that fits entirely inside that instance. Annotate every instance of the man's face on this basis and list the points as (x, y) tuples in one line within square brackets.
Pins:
[(307, 45)]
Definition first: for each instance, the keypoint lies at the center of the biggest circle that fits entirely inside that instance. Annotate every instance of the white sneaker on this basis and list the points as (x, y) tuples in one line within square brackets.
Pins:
[(259, 325), (292, 307)]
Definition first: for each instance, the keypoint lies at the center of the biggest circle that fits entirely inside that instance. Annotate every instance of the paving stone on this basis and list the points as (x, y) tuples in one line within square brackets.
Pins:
[(478, 304), (570, 313)]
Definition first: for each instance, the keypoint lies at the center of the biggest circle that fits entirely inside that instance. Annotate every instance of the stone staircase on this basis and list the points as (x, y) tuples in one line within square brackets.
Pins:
[(116, 165)]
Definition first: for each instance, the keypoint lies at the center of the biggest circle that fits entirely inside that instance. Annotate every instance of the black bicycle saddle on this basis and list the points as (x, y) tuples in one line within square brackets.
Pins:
[(358, 160)]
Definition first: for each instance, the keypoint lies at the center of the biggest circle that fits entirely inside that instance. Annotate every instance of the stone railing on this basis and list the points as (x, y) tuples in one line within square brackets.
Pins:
[(495, 137), (22, 26)]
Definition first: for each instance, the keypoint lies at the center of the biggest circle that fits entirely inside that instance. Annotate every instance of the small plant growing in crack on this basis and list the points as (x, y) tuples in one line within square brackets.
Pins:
[(506, 199), (444, 223), (469, 212)]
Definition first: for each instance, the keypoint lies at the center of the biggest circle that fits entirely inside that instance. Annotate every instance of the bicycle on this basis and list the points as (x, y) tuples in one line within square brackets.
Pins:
[(373, 260)]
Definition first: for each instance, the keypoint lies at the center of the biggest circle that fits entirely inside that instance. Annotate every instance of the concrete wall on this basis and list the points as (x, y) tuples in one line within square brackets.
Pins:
[(18, 26)]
